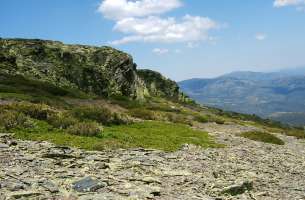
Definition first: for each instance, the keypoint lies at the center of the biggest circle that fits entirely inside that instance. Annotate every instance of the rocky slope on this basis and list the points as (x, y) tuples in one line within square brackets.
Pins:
[(243, 170), (100, 70)]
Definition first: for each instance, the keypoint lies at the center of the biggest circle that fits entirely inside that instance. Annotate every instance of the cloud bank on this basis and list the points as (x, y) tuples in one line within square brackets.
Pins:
[(120, 9), (282, 3), (260, 36), (141, 21)]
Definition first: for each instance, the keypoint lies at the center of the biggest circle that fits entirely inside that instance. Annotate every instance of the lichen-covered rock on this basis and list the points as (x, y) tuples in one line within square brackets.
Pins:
[(158, 85), (100, 70), (103, 71)]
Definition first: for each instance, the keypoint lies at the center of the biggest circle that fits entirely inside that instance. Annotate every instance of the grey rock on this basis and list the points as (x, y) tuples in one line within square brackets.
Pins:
[(50, 186), (59, 153), (88, 185), (3, 146), (23, 194), (239, 188), (244, 168)]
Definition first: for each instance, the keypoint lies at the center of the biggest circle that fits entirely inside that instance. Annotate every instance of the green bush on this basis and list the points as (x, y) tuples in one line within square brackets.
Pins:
[(94, 113), (13, 119), (163, 107), (143, 114), (177, 118), (263, 137), (218, 120), (36, 111), (89, 129), (119, 118), (201, 118), (62, 120)]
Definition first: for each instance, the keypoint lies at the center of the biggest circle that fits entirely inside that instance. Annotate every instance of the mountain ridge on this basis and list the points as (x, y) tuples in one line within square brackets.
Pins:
[(252, 93)]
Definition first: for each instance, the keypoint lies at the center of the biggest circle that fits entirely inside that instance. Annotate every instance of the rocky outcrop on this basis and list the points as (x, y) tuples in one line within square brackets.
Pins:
[(158, 85), (100, 70)]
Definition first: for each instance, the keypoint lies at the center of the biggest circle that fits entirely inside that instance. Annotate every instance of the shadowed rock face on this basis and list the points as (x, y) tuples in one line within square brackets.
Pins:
[(101, 70)]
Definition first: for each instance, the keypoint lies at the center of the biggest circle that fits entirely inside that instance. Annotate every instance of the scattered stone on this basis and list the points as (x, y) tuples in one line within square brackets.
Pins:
[(17, 186), (23, 194), (88, 185), (189, 173), (4, 146), (50, 186), (239, 188), (59, 153), (149, 180)]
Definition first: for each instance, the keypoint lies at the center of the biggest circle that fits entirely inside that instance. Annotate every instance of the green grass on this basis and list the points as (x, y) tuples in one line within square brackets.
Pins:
[(263, 137), (298, 133), (156, 135)]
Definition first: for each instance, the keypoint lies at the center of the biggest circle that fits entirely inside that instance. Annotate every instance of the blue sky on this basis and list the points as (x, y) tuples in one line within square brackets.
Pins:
[(180, 38)]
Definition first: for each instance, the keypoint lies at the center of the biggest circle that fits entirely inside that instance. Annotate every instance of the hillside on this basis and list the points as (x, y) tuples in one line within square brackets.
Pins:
[(263, 94), (81, 122)]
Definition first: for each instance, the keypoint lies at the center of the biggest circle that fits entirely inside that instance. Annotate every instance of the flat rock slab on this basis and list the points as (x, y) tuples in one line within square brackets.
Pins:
[(88, 185), (3, 146)]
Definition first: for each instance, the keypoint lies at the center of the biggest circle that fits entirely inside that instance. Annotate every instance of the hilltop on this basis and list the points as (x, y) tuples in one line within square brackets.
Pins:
[(82, 122)]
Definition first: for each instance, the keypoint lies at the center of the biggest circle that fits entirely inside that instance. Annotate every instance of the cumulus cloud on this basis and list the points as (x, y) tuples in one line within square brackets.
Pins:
[(260, 36), (166, 30), (160, 51), (141, 21), (282, 3), (120, 9)]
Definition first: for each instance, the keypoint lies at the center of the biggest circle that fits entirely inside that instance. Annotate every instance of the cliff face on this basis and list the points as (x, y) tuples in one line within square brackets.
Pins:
[(100, 70)]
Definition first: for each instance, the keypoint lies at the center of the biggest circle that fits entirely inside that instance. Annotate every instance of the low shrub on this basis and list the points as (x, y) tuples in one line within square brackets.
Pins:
[(61, 120), (94, 113), (143, 114), (119, 119), (89, 129), (263, 137), (201, 118), (176, 118), (36, 111), (208, 118), (163, 107), (13, 119), (218, 120)]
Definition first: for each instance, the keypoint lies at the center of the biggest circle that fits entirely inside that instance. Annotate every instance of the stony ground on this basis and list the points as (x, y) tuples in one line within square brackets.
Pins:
[(244, 169)]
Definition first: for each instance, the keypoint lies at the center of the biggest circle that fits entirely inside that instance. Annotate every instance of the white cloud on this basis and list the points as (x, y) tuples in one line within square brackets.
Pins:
[(160, 51), (260, 36), (301, 8), (120, 9), (178, 51), (166, 30), (192, 45), (141, 21), (282, 3)]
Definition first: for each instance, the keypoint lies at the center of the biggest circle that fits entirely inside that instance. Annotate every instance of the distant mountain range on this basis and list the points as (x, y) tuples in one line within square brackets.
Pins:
[(276, 95)]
